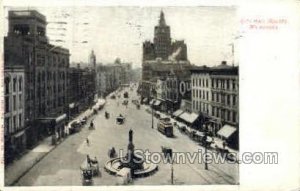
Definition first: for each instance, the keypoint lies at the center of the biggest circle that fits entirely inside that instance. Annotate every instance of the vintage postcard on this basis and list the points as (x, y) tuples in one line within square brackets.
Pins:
[(129, 96)]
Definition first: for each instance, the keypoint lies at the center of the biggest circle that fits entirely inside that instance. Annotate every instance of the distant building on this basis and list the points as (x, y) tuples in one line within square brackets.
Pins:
[(162, 46), (81, 89), (45, 69), (14, 112), (167, 60), (173, 73), (112, 76)]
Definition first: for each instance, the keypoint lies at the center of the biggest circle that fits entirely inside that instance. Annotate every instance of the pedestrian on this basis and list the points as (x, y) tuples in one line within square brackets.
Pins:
[(88, 159), (92, 124), (87, 142), (224, 144)]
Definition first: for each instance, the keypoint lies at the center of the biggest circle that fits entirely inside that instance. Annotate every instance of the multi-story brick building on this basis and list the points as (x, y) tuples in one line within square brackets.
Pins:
[(81, 89), (215, 95), (159, 59), (45, 68), (162, 46), (14, 112)]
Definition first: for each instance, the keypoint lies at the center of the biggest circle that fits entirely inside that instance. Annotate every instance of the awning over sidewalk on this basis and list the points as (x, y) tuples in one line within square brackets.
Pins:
[(19, 134), (152, 101), (189, 117), (157, 102), (177, 113), (145, 100), (61, 118), (71, 105), (226, 131)]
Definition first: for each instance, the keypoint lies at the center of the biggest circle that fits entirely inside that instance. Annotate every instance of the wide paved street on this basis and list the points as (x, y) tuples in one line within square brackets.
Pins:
[(61, 166)]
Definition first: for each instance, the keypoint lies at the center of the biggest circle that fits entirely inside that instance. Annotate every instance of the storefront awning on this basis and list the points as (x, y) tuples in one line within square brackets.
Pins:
[(19, 134), (152, 101), (60, 118), (189, 117), (71, 105), (157, 102), (226, 131), (177, 113)]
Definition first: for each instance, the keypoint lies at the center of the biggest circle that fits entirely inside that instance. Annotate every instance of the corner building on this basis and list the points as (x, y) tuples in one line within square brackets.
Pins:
[(45, 68)]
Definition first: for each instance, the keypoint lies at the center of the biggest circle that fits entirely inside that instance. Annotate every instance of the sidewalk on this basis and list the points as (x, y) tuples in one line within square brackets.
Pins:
[(18, 168), (14, 171)]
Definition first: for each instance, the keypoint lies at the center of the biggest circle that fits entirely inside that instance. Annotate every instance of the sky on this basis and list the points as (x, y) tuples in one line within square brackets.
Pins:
[(112, 32)]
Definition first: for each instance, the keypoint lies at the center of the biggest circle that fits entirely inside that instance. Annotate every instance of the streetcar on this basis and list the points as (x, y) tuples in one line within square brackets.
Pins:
[(165, 127)]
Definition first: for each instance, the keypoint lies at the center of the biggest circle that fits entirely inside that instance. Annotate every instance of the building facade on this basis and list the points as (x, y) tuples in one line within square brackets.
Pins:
[(215, 95), (162, 46), (14, 112), (45, 69), (109, 77), (81, 89), (167, 60)]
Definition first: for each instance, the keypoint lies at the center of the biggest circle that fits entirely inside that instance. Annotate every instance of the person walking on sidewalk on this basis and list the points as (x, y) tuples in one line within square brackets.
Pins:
[(224, 144), (87, 141)]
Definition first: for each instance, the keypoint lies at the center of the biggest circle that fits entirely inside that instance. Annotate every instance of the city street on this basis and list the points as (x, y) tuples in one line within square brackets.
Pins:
[(61, 166)]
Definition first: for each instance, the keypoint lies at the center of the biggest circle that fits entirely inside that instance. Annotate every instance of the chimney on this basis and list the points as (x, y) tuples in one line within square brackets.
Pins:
[(78, 66), (223, 62)]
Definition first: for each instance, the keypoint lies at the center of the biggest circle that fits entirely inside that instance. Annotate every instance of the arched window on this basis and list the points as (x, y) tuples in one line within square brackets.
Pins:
[(6, 81), (14, 84), (20, 84)]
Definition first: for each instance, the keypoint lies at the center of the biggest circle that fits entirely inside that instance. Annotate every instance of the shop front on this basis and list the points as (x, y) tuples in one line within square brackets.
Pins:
[(73, 109), (189, 118), (229, 134), (54, 126)]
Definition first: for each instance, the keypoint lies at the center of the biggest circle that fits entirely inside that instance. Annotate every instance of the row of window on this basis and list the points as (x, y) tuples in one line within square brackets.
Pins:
[(14, 102), (200, 106), (227, 115), (54, 60), (172, 84), (14, 84), (224, 84), (215, 83), (200, 82), (172, 95), (59, 75), (224, 98), (17, 122), (202, 94)]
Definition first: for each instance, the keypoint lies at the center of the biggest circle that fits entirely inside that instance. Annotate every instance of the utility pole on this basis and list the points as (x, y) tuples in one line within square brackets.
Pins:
[(152, 115), (152, 92), (205, 147), (172, 173)]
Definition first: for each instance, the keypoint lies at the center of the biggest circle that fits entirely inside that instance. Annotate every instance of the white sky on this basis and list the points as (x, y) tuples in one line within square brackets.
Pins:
[(207, 31)]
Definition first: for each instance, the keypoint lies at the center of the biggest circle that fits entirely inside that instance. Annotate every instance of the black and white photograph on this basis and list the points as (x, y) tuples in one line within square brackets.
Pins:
[(106, 96), (148, 95)]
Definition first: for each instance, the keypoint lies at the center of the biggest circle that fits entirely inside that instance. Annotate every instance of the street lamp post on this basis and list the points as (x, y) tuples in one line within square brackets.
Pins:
[(172, 173), (152, 124), (152, 115), (205, 147)]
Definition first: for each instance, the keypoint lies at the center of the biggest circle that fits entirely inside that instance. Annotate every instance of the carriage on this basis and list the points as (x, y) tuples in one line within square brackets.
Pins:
[(120, 120), (87, 177), (90, 165)]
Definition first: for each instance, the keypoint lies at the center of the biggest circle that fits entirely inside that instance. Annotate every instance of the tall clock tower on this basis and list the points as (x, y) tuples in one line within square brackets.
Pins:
[(162, 39)]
